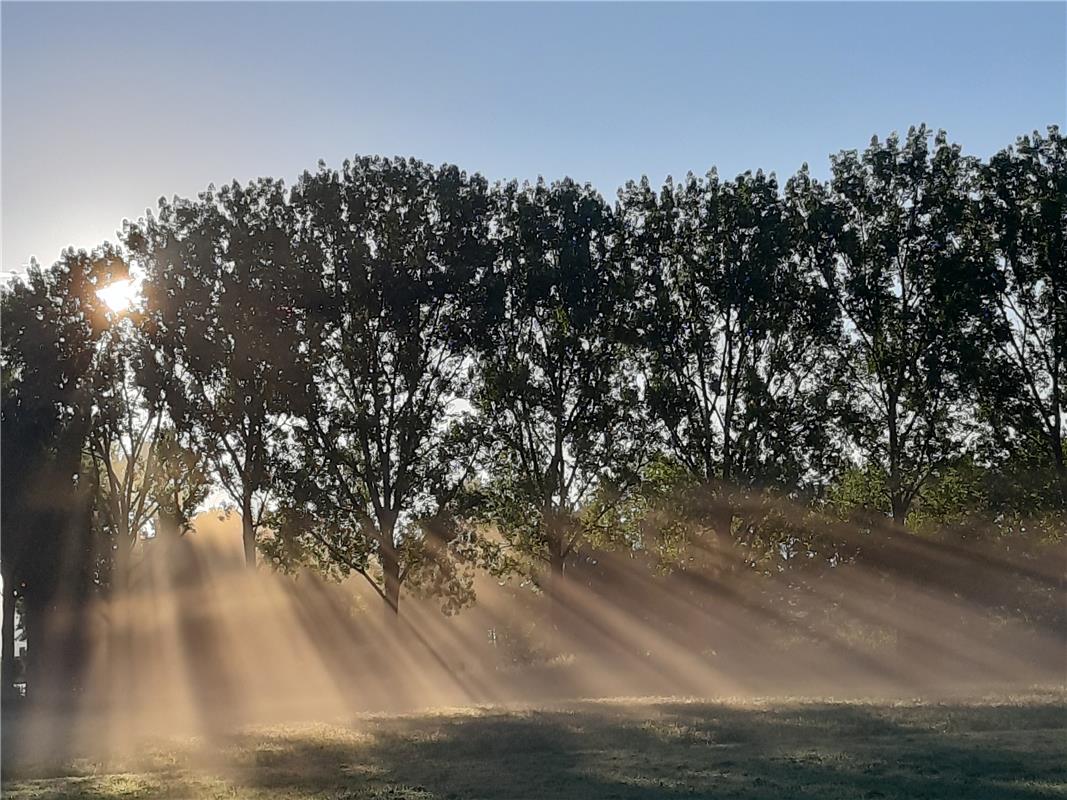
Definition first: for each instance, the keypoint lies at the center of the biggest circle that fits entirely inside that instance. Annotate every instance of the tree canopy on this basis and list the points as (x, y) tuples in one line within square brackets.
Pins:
[(399, 371)]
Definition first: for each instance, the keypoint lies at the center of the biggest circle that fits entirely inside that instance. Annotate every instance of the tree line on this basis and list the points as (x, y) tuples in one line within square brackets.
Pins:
[(404, 372)]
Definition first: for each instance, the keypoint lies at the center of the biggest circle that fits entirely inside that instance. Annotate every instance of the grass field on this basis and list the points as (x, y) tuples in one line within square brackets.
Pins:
[(1007, 747)]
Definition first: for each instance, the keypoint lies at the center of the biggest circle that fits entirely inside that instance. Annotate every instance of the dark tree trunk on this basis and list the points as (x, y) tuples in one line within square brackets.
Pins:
[(900, 510), (169, 526), (556, 559), (34, 623), (248, 531), (8, 668), (1058, 461), (722, 522), (121, 575), (390, 571), (556, 575), (913, 654)]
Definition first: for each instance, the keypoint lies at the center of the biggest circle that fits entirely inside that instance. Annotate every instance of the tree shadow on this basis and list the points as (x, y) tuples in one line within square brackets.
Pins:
[(666, 750)]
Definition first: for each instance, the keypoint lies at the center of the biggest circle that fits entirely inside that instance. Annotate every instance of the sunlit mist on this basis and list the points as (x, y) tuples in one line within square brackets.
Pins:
[(184, 648)]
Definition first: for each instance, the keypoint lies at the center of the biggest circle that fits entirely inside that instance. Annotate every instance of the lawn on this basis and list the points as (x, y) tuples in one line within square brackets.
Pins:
[(1007, 747)]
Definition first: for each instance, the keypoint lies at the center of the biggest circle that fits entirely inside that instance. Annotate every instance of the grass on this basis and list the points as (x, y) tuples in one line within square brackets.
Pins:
[(1005, 747)]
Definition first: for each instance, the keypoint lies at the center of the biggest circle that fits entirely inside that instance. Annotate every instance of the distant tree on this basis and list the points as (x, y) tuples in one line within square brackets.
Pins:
[(736, 334), (397, 248), (1023, 382), (912, 279), (224, 333), (559, 405), (52, 322)]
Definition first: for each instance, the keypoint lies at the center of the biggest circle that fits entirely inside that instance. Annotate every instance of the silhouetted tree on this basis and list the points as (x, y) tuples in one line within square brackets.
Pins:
[(119, 446), (385, 447), (52, 322), (736, 334), (559, 406), (181, 483), (1024, 377), (139, 469), (225, 333), (912, 278)]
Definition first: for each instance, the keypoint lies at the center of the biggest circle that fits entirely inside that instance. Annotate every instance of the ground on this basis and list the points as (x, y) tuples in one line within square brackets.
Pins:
[(1008, 746)]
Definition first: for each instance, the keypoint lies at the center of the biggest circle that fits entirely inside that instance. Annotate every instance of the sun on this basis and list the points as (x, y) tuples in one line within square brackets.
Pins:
[(118, 295)]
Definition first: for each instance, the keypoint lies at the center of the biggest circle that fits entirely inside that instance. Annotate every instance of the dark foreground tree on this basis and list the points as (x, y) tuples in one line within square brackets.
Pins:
[(143, 479), (736, 334), (559, 407), (52, 323), (225, 333), (1023, 378), (397, 248), (912, 278)]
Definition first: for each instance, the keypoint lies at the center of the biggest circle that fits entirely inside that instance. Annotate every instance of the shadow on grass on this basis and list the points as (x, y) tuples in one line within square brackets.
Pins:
[(1008, 751), (685, 749)]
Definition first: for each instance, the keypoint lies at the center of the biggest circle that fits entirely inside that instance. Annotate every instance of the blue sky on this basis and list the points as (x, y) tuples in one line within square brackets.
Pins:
[(106, 107)]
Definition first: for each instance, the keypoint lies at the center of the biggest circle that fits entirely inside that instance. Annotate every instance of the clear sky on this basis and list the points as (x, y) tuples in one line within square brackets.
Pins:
[(106, 107)]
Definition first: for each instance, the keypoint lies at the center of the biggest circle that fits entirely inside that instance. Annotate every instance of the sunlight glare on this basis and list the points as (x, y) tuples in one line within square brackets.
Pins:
[(118, 295)]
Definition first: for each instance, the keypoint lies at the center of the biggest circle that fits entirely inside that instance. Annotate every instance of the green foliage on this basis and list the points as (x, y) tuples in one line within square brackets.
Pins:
[(859, 488)]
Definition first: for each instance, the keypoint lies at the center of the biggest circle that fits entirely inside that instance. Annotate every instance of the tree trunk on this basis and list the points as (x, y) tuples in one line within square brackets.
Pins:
[(34, 623), (722, 522), (7, 670), (121, 578), (391, 578), (248, 531), (168, 526), (913, 654), (900, 510), (1058, 461), (556, 558), (556, 567)]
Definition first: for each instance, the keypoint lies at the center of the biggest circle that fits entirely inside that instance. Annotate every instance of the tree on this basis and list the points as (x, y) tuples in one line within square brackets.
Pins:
[(385, 447), (1023, 382), (52, 322), (557, 399), (119, 447), (224, 332), (912, 280), (181, 483), (736, 335), (140, 470)]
